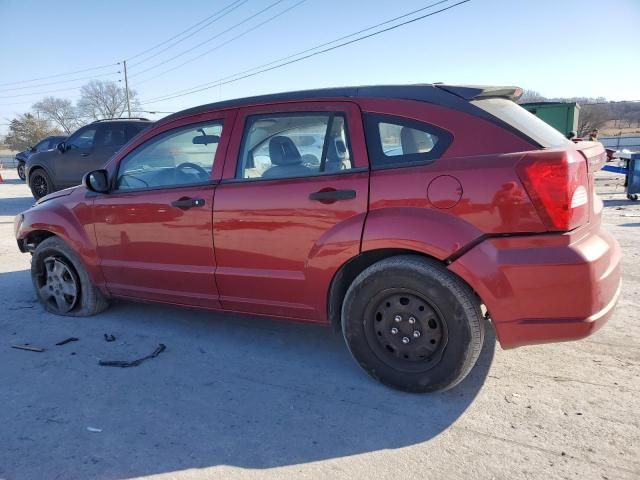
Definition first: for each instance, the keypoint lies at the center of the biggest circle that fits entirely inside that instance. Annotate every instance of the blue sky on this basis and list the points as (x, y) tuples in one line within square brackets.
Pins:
[(557, 47)]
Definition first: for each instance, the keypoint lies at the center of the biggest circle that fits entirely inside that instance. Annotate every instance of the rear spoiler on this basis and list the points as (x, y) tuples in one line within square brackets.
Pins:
[(477, 92)]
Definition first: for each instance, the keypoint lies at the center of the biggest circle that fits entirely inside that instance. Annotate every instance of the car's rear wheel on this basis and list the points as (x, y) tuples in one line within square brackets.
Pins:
[(412, 324), (61, 282), (40, 184), (20, 169)]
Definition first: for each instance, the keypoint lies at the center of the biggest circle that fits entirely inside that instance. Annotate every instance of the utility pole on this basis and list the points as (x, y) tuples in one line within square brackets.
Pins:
[(126, 87)]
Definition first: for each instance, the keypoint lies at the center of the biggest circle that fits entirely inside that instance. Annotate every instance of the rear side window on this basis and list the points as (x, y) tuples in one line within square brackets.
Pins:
[(396, 141), (135, 128), (520, 119), (294, 145)]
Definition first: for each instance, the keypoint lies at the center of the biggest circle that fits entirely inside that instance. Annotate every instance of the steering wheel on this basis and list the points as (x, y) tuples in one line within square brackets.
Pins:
[(202, 173)]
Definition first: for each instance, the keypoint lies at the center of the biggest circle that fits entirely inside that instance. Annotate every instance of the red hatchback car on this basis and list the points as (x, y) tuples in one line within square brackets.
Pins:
[(403, 215)]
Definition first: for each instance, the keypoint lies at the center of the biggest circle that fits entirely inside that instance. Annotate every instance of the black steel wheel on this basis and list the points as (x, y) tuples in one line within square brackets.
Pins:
[(412, 324), (20, 169), (405, 330), (40, 184)]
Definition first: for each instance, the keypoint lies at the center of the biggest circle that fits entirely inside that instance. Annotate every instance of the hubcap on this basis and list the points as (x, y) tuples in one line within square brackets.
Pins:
[(405, 330), (58, 285), (39, 185)]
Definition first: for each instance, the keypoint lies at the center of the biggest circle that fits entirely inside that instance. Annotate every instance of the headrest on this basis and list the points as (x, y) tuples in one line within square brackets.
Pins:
[(283, 151), (415, 141)]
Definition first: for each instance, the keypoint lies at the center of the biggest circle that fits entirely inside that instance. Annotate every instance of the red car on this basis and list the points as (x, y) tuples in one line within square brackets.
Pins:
[(405, 216)]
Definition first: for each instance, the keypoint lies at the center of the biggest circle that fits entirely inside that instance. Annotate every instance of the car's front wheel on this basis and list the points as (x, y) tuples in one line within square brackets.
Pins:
[(20, 169), (412, 324), (40, 184), (61, 282)]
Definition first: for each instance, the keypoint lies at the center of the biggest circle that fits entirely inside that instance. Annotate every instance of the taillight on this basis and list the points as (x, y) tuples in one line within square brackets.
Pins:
[(557, 183)]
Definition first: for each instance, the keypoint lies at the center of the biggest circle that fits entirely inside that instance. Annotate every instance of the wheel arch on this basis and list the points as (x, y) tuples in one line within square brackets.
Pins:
[(348, 271)]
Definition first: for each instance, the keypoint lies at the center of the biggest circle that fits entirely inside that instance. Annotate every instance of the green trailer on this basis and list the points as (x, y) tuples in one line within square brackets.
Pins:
[(561, 116)]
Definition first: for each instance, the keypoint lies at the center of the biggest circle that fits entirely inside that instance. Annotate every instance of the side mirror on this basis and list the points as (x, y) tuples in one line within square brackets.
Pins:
[(62, 147), (32, 149), (96, 181)]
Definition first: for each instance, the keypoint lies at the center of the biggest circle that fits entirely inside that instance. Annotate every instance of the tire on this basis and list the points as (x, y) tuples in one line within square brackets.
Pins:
[(405, 294), (20, 169), (40, 184), (632, 196), (61, 282)]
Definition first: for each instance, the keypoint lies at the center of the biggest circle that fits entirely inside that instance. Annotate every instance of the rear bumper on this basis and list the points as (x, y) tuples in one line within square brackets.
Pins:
[(545, 288)]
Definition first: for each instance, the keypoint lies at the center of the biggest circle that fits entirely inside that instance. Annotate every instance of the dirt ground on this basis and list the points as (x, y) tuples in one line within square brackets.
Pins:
[(238, 397)]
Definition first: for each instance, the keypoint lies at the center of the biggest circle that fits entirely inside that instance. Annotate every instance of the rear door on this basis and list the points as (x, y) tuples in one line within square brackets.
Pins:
[(291, 206)]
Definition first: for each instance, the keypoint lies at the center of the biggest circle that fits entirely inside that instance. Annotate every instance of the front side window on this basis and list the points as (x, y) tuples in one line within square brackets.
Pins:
[(294, 145), (183, 156), (396, 141), (83, 138)]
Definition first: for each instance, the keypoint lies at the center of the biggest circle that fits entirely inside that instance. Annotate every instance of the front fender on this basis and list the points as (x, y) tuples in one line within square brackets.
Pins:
[(426, 230), (69, 218)]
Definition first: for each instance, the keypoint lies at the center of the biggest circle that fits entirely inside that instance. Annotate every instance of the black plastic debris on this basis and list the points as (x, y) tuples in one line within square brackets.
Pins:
[(67, 340), (109, 338), (28, 347), (133, 363)]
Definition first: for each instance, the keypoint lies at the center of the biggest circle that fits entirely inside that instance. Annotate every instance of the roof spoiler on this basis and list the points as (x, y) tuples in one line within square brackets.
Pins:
[(476, 92)]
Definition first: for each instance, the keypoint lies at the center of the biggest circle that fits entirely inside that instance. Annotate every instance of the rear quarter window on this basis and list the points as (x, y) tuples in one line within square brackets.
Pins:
[(397, 141), (522, 120)]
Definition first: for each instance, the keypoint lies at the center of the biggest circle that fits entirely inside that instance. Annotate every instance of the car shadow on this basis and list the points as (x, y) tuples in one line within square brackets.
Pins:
[(229, 390), (11, 206)]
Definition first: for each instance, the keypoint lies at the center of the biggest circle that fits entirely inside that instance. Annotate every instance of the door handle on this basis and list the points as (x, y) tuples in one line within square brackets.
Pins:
[(331, 195), (85, 154), (186, 203)]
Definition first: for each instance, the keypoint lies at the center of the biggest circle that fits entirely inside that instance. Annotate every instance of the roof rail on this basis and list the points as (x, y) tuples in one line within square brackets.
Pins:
[(121, 118)]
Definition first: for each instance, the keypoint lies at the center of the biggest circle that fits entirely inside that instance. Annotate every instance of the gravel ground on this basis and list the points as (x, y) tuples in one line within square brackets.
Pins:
[(239, 397)]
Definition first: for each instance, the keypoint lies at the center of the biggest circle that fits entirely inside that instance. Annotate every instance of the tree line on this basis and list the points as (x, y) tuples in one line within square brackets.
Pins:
[(594, 112), (60, 116)]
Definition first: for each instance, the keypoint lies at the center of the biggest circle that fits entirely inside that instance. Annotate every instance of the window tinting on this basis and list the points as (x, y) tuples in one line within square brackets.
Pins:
[(83, 138), (294, 145), (393, 141), (113, 135), (179, 157)]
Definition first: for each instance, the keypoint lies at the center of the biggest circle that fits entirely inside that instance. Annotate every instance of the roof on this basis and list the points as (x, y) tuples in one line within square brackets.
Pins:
[(453, 96)]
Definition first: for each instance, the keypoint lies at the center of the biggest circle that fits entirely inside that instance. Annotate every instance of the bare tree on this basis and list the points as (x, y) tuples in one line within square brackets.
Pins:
[(592, 116), (529, 96), (27, 130), (59, 111), (100, 100)]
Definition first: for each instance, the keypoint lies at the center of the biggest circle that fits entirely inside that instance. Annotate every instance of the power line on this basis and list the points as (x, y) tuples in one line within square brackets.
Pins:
[(59, 81), (33, 94), (61, 74), (280, 65), (209, 39), (231, 8), (386, 22), (255, 27)]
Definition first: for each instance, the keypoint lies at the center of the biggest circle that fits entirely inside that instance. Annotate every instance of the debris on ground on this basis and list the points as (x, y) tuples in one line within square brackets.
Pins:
[(133, 363), (109, 338), (67, 340), (30, 348), (95, 430)]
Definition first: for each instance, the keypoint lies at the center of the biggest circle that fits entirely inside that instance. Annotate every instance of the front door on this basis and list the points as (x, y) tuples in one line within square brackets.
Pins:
[(154, 229), (290, 207), (71, 165)]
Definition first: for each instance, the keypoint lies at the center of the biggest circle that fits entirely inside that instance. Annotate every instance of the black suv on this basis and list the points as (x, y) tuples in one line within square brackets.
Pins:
[(43, 145), (87, 149)]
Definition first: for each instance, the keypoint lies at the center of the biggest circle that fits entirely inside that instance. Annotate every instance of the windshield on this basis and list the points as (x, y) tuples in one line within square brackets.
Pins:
[(524, 121)]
